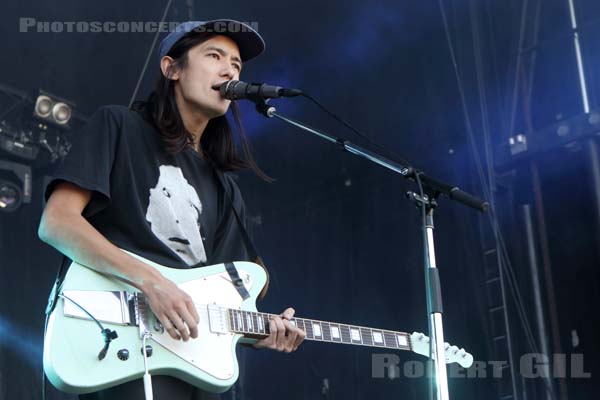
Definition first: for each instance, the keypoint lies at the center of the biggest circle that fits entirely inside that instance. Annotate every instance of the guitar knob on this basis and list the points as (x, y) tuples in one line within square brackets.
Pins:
[(123, 354), (148, 350)]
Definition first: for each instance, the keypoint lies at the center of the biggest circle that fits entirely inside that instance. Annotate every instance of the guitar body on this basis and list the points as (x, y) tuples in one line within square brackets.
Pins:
[(72, 344)]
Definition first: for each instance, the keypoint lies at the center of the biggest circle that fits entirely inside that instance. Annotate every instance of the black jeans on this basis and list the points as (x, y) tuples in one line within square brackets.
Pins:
[(164, 388)]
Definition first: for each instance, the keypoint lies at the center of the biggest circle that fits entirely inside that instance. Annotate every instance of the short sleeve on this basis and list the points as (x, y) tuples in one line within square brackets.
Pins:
[(90, 159)]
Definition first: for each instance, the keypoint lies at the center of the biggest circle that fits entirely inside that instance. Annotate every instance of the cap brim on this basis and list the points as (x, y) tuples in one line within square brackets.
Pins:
[(249, 42)]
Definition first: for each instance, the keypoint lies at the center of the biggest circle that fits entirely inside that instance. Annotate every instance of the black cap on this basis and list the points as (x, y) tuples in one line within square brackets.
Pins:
[(250, 43)]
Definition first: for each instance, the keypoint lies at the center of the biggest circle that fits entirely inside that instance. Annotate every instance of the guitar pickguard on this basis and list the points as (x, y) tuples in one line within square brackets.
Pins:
[(73, 341)]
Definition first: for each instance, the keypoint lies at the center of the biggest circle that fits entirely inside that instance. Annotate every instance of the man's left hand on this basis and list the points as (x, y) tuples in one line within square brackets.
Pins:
[(284, 336)]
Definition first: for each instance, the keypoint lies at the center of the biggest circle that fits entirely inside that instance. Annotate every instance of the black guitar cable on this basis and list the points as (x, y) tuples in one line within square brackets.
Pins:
[(107, 334)]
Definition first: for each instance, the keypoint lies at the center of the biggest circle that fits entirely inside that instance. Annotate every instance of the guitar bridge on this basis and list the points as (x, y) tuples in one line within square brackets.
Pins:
[(112, 307), (144, 317)]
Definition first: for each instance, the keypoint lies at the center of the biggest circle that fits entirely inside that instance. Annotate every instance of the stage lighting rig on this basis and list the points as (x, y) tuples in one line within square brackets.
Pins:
[(20, 143), (566, 133), (10, 196), (35, 122), (52, 109), (15, 185)]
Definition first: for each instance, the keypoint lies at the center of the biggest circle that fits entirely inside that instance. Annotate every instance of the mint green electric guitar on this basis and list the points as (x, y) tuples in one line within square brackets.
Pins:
[(73, 340)]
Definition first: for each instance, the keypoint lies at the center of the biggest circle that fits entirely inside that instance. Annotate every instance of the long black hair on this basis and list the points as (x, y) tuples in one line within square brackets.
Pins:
[(217, 140)]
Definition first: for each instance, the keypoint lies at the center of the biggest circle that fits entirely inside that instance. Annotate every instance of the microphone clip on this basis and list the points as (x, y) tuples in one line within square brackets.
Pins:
[(263, 108)]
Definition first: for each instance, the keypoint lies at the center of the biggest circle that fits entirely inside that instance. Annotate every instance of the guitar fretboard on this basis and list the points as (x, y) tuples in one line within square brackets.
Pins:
[(257, 324)]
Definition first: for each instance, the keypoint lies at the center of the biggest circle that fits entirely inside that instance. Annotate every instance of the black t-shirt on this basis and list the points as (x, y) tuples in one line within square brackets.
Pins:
[(170, 209)]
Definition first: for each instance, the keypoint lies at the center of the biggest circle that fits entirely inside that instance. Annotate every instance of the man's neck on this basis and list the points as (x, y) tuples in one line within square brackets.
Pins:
[(193, 120)]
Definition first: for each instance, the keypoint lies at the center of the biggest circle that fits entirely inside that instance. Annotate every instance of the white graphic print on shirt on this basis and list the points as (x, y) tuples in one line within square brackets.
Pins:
[(173, 212)]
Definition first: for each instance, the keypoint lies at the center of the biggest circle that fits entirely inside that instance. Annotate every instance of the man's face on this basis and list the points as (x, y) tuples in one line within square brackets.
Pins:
[(209, 64)]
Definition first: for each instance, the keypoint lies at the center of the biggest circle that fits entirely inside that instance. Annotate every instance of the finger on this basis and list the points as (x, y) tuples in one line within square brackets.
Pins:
[(260, 344), (191, 323), (192, 309), (288, 313), (166, 323), (270, 341), (179, 325), (280, 338), (299, 338), (290, 338)]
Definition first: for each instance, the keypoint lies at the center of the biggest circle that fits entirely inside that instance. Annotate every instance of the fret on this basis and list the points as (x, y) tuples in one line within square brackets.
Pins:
[(242, 321), (302, 324), (245, 321), (267, 318), (317, 330), (255, 322), (378, 338), (355, 335), (309, 329), (367, 339), (299, 323), (390, 339), (238, 319), (260, 322), (253, 327), (249, 322), (230, 317), (326, 331), (402, 340), (335, 333), (345, 331)]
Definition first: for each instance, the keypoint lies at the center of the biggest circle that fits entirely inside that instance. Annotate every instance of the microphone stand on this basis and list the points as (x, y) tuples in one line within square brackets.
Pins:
[(429, 191)]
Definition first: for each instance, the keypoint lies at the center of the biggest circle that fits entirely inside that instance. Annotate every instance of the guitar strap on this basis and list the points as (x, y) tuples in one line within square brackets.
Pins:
[(238, 283), (60, 275)]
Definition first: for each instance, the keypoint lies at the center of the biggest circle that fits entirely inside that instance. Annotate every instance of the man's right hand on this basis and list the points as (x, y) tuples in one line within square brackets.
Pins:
[(173, 307), (63, 227)]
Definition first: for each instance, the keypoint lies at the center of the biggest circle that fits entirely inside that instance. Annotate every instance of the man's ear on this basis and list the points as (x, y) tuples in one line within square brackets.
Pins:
[(168, 68)]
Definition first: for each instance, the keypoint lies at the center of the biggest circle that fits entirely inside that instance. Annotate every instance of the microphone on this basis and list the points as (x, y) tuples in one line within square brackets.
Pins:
[(236, 90)]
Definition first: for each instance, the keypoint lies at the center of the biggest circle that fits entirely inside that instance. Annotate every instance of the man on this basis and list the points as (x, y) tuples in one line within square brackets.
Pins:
[(151, 181)]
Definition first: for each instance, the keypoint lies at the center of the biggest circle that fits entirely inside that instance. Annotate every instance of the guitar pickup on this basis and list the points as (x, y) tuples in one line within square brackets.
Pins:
[(217, 319)]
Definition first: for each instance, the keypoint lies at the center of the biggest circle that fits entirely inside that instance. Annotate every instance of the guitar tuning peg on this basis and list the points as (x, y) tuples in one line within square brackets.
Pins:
[(454, 349), (461, 353)]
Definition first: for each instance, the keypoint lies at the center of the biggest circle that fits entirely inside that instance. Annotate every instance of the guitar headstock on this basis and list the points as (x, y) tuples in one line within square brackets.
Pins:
[(420, 345)]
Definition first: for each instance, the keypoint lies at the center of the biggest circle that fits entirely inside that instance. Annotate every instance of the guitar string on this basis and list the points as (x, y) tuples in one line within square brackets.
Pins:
[(348, 334), (322, 338), (233, 312), (204, 309)]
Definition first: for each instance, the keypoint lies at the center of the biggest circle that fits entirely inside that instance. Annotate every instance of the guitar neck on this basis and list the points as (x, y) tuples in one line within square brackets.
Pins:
[(256, 324)]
